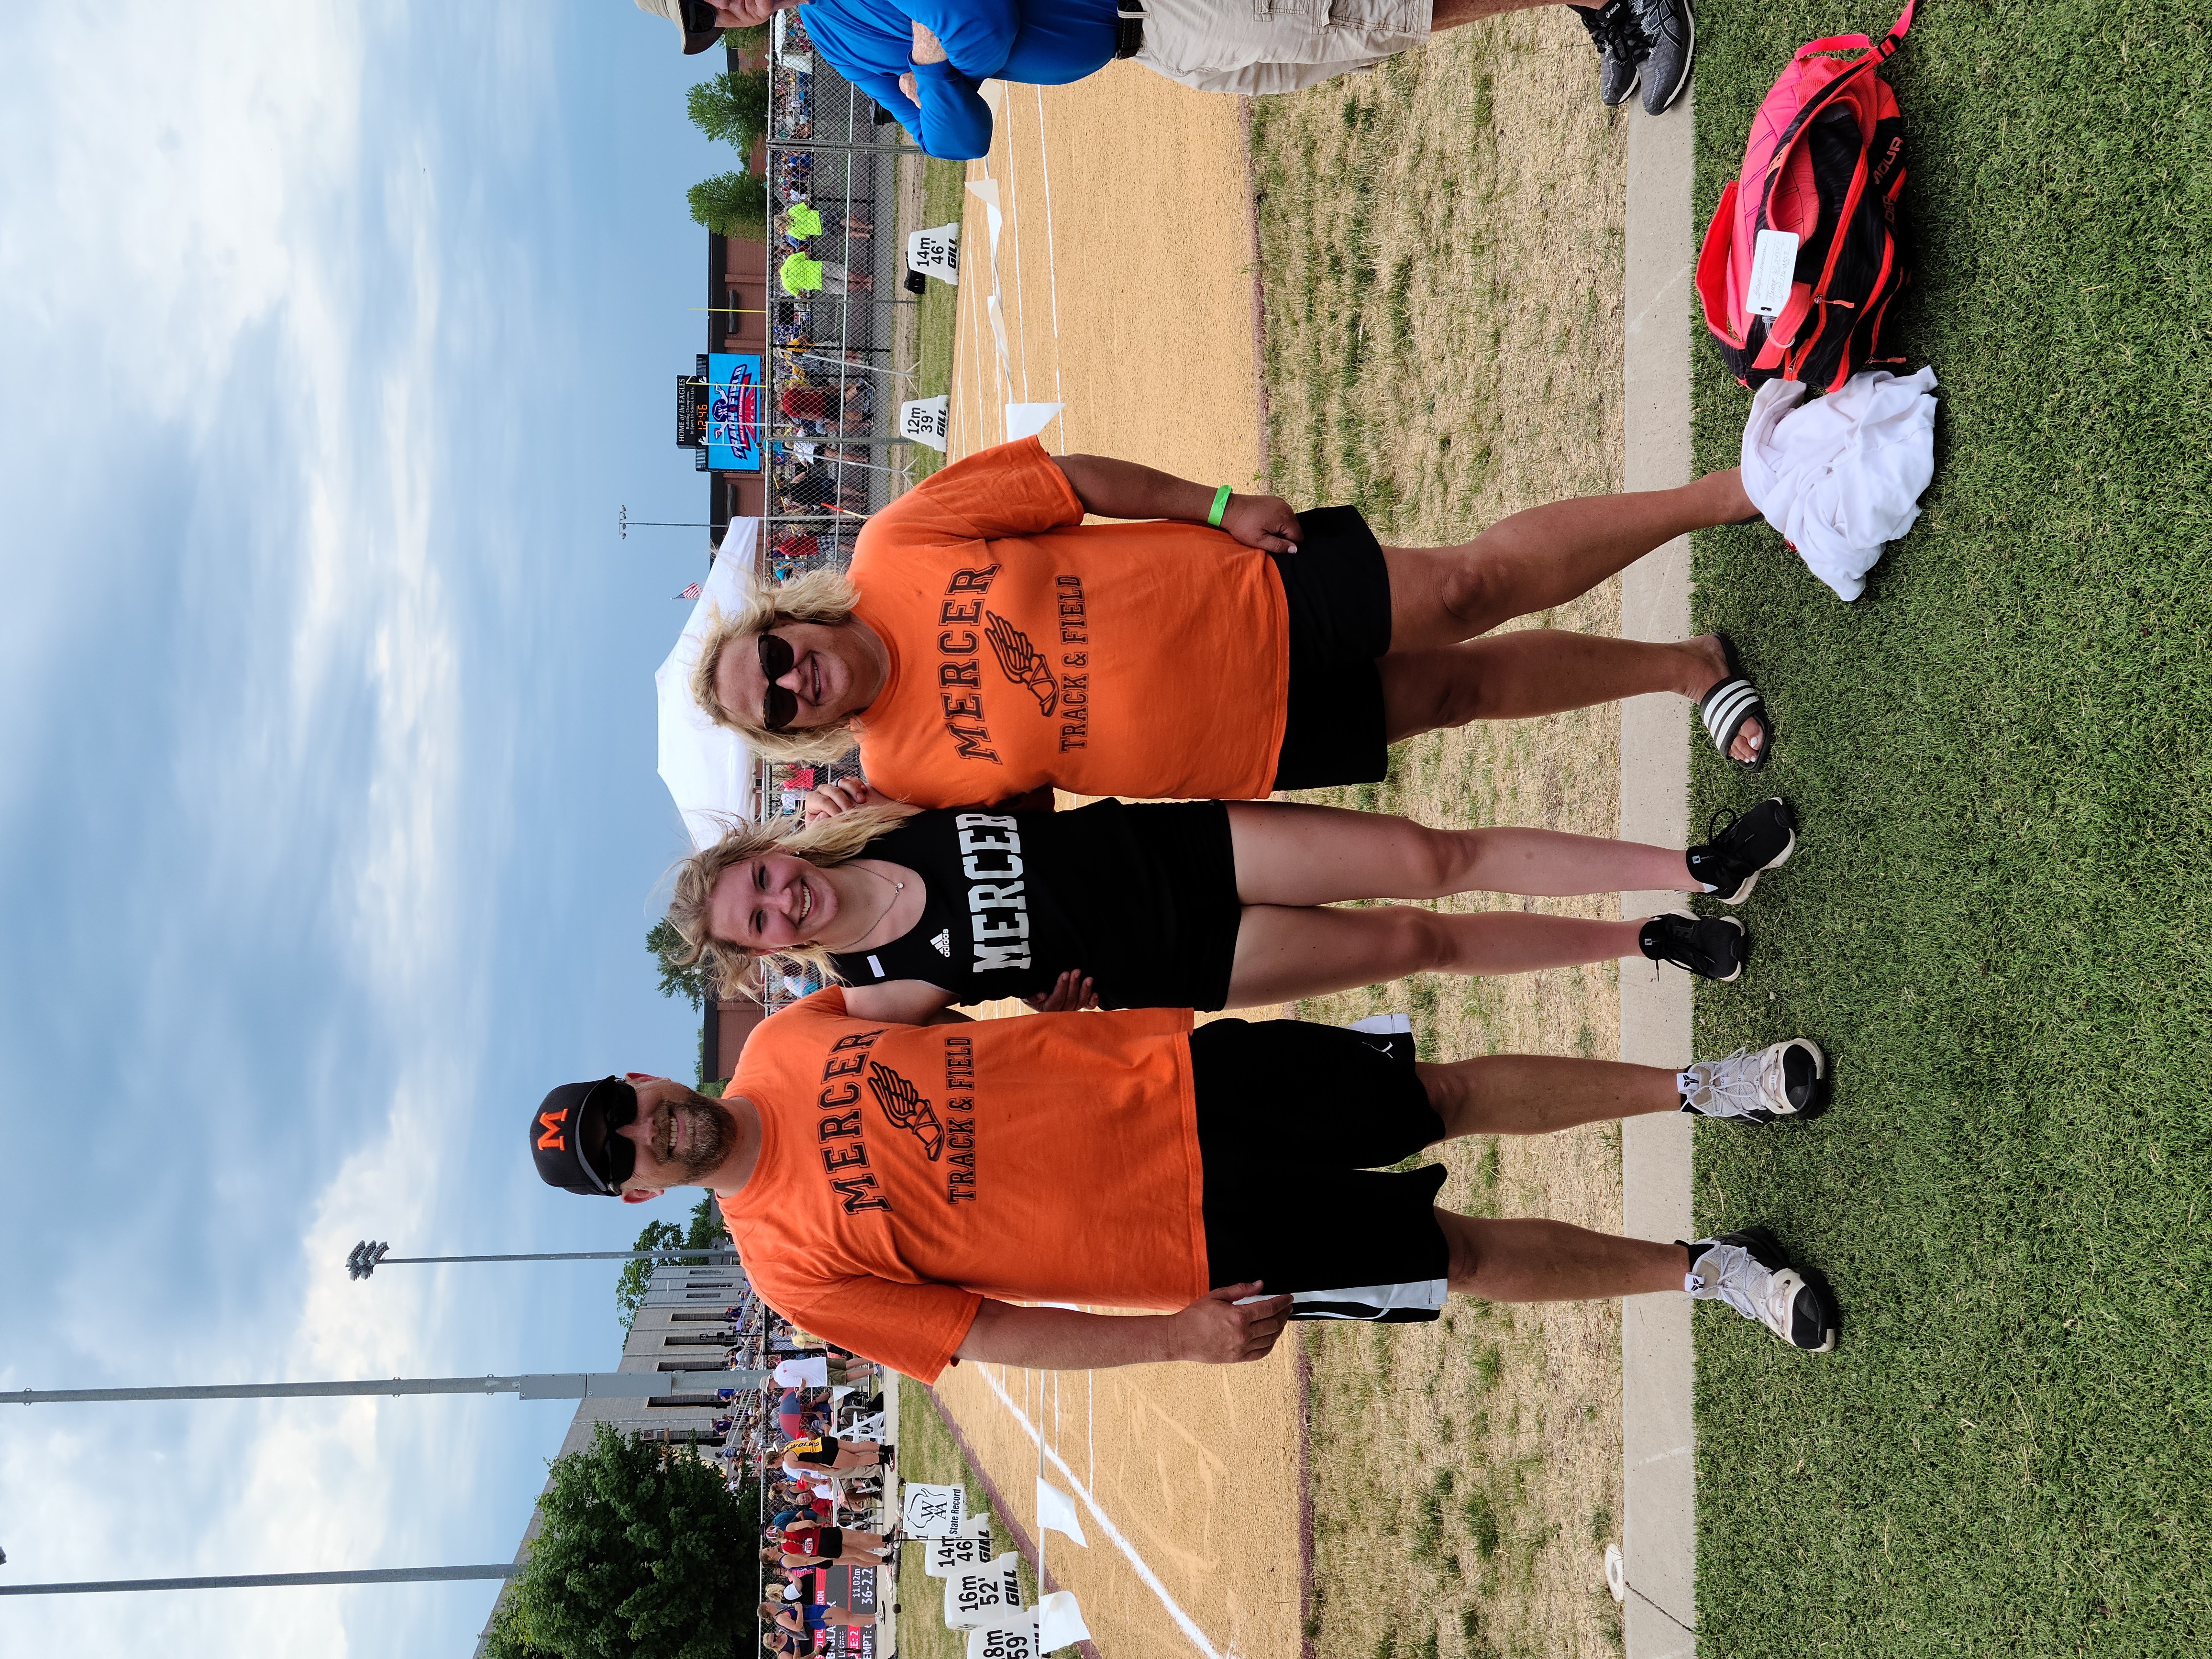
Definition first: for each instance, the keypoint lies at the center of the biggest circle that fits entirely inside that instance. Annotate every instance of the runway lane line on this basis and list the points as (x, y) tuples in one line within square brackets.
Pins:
[(1184, 1621)]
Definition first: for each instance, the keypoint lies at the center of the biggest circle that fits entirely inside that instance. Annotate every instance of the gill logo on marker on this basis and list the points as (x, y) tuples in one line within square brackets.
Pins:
[(552, 1137)]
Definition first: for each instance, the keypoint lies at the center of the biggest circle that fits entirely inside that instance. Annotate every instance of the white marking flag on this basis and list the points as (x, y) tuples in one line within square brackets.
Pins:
[(1056, 1510), (1027, 420), (1059, 1621)]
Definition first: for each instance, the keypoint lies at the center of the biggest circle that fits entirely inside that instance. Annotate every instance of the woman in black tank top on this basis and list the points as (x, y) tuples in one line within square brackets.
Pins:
[(1198, 904)]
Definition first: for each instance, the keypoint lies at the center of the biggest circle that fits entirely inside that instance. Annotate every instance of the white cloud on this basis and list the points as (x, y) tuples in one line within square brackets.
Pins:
[(206, 195)]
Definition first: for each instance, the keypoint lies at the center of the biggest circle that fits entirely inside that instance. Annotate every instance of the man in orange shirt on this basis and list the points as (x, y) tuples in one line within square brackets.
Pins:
[(988, 643), (900, 1188)]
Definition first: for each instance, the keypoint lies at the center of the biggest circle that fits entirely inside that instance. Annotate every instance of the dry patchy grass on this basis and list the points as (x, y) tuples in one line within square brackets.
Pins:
[(1441, 263)]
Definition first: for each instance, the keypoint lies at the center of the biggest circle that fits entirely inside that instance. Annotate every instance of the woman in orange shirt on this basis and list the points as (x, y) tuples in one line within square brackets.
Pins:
[(1199, 904), (987, 641)]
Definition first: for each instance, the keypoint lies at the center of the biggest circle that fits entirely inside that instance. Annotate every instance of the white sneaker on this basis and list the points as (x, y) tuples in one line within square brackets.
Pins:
[(1784, 1079), (1748, 1271)]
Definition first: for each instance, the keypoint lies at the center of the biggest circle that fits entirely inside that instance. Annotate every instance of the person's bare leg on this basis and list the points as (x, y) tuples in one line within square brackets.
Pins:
[(1544, 556), (1292, 853), (1541, 1094), (1284, 953), (1552, 1261), (1544, 670)]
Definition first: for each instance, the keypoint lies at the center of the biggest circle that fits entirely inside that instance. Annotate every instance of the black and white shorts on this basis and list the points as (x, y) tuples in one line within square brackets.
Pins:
[(1337, 591), (1294, 1121)]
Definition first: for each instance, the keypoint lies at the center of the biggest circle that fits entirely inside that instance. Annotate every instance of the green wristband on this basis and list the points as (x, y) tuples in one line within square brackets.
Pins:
[(1220, 506)]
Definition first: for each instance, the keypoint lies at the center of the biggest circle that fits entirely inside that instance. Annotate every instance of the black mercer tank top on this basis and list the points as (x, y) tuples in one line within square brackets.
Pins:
[(1014, 899)]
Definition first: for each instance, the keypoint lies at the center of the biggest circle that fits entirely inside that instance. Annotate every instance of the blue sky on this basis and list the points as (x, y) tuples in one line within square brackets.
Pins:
[(331, 338)]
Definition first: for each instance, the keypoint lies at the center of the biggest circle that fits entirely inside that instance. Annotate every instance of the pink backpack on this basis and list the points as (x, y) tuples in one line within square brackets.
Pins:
[(1825, 164)]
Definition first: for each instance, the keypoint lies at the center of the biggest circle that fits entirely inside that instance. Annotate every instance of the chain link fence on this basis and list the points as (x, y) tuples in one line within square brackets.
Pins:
[(832, 387), (832, 380)]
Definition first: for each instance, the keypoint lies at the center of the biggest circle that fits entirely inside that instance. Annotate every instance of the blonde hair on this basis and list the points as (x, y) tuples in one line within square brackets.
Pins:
[(824, 597), (825, 843)]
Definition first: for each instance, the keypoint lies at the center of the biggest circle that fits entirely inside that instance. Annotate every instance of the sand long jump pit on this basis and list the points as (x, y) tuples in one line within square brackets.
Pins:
[(1441, 263)]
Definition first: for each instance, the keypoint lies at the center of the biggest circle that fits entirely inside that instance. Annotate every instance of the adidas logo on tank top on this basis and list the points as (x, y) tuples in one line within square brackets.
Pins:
[(942, 941)]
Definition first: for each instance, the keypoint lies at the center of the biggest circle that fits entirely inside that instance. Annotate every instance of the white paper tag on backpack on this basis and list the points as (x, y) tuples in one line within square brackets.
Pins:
[(1773, 269)]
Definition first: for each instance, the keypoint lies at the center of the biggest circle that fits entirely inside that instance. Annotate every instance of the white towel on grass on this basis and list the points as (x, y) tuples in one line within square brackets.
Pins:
[(1841, 476)]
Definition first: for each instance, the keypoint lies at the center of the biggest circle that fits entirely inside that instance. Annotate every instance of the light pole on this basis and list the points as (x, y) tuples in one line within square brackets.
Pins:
[(273, 1580), (528, 1385), (366, 1257), (623, 522)]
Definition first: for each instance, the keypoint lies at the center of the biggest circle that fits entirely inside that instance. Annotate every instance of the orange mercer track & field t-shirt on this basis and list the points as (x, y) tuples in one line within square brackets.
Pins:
[(906, 1172), (1029, 648)]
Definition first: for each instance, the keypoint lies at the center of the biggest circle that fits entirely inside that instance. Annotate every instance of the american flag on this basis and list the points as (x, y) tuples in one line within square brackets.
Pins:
[(690, 592)]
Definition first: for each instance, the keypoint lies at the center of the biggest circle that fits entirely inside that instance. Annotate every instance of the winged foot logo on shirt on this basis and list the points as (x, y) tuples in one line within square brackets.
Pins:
[(902, 1104), (1020, 662)]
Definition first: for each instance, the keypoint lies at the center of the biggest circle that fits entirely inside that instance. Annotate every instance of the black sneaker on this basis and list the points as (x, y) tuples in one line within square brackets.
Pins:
[(1713, 947), (1734, 852), (1670, 40), (1749, 1272), (1619, 46)]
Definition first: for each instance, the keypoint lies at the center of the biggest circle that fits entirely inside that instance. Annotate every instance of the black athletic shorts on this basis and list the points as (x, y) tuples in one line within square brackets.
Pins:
[(1293, 1119), (1338, 592), (1191, 872)]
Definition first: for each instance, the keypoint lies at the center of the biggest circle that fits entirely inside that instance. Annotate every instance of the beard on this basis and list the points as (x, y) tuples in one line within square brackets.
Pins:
[(707, 1128)]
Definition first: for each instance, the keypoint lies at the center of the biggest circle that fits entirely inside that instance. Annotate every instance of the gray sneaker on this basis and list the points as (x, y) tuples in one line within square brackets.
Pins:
[(1670, 37), (1619, 42), (1784, 1079), (1749, 1272)]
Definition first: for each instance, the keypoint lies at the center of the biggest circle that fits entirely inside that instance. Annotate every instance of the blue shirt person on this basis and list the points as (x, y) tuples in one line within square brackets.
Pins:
[(1036, 42)]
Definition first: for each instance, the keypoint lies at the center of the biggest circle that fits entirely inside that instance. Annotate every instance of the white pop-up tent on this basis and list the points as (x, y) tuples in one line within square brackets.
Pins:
[(709, 769)]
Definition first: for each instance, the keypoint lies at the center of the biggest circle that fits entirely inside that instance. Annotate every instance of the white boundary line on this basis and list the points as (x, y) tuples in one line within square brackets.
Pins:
[(1184, 1622), (1051, 267), (1014, 219)]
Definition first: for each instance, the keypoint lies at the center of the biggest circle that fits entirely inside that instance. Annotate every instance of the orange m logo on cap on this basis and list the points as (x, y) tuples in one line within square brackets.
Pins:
[(551, 1138)]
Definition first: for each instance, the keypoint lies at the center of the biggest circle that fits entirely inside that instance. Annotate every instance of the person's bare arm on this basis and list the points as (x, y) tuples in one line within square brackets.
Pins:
[(1213, 1331), (928, 49), (1122, 490), (900, 1001)]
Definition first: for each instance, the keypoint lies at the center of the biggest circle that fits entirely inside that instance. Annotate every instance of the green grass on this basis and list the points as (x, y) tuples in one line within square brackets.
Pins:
[(944, 190), (1998, 920), (926, 1453)]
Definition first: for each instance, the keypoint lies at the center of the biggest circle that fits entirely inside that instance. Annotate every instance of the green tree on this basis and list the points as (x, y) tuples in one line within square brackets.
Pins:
[(753, 38), (676, 979), (645, 1553), (637, 1276), (708, 1230), (731, 107), (508, 1634), (732, 204)]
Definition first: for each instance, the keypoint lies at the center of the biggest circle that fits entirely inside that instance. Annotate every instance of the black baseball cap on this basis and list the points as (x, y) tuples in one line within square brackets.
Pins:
[(572, 1137), (694, 20)]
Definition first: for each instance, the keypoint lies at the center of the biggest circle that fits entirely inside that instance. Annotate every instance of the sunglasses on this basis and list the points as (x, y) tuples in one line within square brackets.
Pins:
[(781, 706), (699, 16), (610, 1108)]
